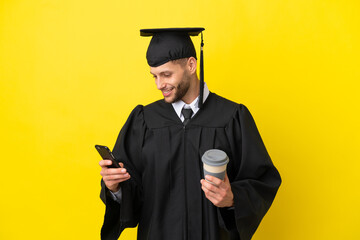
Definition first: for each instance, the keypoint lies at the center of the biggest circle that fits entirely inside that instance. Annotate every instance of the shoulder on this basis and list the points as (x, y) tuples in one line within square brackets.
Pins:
[(218, 111), (137, 112), (228, 105), (221, 102), (156, 106), (135, 118)]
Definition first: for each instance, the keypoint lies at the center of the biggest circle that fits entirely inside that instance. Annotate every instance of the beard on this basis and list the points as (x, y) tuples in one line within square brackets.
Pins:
[(181, 89)]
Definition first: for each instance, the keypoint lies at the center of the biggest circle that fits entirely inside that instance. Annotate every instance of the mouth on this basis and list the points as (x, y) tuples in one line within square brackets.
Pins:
[(167, 92)]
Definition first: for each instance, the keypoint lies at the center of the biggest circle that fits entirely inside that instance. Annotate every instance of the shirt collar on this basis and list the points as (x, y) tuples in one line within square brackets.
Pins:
[(178, 105)]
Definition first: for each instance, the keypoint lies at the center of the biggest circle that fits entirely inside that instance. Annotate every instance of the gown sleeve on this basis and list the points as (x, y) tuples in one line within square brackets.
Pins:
[(253, 177), (127, 150)]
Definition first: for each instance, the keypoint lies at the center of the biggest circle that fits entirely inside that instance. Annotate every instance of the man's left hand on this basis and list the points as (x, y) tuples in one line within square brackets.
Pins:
[(218, 191)]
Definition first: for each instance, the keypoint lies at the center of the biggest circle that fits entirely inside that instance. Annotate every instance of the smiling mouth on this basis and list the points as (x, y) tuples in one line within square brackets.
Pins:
[(167, 92)]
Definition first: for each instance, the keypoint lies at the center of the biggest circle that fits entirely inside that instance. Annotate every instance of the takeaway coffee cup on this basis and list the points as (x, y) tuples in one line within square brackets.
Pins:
[(214, 163)]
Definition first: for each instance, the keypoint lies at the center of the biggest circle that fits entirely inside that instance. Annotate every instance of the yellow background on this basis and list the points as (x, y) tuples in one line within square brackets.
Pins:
[(71, 71)]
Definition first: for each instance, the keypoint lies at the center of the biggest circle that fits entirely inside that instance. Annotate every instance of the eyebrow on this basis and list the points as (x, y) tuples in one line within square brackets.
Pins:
[(163, 72)]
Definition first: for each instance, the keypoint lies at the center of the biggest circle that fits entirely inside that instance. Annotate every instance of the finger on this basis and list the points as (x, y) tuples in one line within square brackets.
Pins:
[(116, 170), (208, 192), (121, 164), (112, 171), (105, 163), (120, 177), (110, 182), (214, 191), (117, 176), (209, 186), (226, 184), (216, 181), (211, 196)]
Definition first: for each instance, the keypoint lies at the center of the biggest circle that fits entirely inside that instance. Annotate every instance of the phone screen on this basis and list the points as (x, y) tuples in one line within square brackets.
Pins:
[(105, 153)]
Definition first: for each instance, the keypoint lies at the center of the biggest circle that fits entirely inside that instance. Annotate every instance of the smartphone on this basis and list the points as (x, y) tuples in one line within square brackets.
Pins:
[(105, 153)]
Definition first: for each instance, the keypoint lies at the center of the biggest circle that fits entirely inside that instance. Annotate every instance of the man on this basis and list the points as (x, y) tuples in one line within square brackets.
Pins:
[(160, 186)]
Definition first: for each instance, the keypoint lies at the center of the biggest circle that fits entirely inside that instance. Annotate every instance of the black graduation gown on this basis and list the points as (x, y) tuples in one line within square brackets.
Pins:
[(164, 196)]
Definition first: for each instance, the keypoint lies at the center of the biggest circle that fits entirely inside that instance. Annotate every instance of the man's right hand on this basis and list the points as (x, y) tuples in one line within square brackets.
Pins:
[(113, 176)]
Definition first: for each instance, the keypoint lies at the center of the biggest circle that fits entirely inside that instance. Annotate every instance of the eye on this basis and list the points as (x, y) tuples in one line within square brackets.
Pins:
[(167, 74)]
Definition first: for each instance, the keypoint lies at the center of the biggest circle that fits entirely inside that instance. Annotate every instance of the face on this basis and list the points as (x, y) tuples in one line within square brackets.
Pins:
[(172, 79)]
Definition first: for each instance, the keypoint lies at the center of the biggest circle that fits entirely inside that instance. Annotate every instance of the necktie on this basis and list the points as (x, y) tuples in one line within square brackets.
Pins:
[(187, 113)]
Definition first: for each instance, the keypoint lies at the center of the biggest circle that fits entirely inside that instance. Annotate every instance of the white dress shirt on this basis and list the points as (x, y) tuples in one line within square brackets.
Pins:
[(179, 105)]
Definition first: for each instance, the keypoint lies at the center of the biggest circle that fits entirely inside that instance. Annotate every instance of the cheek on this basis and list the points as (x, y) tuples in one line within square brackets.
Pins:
[(173, 81), (179, 79)]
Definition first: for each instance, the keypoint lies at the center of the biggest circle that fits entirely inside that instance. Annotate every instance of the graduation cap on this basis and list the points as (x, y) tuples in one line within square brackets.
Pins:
[(169, 44)]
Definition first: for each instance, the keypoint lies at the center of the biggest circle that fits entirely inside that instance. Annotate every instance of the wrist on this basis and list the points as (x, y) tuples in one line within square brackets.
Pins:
[(115, 188)]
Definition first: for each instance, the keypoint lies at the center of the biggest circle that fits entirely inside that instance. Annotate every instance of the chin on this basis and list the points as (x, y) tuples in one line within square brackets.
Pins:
[(169, 100), (172, 98)]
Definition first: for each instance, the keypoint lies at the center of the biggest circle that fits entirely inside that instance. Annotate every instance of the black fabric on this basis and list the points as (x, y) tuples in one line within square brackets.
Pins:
[(187, 113), (165, 47), (153, 31), (164, 195), (169, 44)]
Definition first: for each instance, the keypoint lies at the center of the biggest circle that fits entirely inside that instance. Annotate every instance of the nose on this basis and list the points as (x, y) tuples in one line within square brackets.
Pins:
[(159, 83)]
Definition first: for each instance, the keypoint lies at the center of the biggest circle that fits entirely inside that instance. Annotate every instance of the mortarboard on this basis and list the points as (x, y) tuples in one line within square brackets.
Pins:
[(169, 44)]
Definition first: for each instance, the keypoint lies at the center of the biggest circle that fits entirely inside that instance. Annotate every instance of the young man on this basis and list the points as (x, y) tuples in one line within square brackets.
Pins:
[(160, 186)]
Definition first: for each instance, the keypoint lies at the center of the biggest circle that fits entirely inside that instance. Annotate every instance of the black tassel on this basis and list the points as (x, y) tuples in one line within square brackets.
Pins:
[(201, 95)]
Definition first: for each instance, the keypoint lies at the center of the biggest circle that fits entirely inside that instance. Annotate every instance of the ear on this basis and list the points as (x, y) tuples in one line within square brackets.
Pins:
[(192, 65)]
